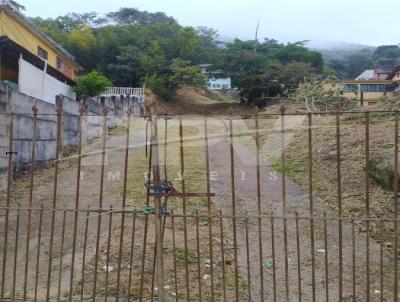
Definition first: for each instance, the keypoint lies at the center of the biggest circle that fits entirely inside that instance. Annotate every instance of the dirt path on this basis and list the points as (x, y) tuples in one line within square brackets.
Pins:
[(297, 201)]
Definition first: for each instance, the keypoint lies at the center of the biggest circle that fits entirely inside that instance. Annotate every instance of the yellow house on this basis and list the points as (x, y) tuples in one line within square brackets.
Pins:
[(367, 92), (28, 54)]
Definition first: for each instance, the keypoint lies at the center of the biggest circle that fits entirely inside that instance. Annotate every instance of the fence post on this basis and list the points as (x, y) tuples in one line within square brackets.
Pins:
[(157, 202)]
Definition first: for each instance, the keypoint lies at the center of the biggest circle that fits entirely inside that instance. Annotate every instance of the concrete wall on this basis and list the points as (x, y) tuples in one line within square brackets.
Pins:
[(20, 106)]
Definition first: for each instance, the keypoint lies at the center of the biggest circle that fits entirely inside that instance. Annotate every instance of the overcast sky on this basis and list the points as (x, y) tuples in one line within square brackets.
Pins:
[(369, 22)]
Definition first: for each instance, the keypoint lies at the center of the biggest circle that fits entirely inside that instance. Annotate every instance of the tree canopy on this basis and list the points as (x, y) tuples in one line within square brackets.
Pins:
[(129, 46)]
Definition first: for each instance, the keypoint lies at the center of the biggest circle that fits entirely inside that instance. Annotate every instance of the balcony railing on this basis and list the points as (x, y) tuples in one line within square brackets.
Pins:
[(124, 91)]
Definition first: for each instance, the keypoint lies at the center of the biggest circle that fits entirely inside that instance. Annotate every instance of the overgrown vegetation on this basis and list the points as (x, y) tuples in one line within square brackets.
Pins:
[(312, 96), (130, 46)]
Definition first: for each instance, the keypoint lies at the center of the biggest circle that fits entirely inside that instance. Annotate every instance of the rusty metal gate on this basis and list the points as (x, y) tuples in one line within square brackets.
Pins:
[(205, 208)]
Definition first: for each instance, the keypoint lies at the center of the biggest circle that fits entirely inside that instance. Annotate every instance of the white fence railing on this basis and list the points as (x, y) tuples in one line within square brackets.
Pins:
[(124, 91)]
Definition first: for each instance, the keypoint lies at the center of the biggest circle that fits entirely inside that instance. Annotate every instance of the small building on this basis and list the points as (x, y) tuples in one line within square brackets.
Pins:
[(32, 62), (220, 84), (213, 81)]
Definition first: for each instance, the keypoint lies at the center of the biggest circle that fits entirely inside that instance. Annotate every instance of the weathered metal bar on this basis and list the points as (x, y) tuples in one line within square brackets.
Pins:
[(84, 255), (273, 255), (367, 207), (183, 183), (77, 200), (146, 222), (131, 257), (61, 254), (181, 195), (284, 204), (326, 258), (381, 271), (221, 227), (110, 216), (198, 256), (339, 201), (121, 238), (260, 241), (29, 222), (16, 255), (158, 218), (9, 184), (311, 205), (353, 247), (39, 242), (53, 213), (246, 226), (210, 227), (233, 196), (174, 256), (396, 204), (298, 252), (101, 196)]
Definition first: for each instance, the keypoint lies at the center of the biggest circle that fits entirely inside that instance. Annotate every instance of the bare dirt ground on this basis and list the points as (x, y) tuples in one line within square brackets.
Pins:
[(297, 201)]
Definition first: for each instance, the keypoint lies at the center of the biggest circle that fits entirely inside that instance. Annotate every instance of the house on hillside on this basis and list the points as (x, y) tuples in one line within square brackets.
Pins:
[(214, 82), (31, 62), (370, 86)]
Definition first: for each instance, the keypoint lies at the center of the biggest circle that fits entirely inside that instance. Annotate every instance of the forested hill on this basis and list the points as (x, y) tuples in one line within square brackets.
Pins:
[(349, 63), (129, 46)]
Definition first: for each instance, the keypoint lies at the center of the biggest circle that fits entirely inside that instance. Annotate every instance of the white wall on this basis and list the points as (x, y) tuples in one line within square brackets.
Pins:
[(37, 83), (218, 84)]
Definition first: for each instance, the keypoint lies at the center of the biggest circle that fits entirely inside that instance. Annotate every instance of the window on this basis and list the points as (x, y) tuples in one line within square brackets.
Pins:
[(42, 53), (350, 88), (60, 64), (373, 88)]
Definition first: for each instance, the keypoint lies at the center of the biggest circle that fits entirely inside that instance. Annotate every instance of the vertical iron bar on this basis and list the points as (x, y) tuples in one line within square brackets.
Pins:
[(284, 206), (326, 259), (53, 212), (367, 209), (210, 229), (273, 254), (260, 242), (174, 253), (233, 194), (121, 238), (77, 199), (311, 192), (396, 204), (39, 242), (61, 254), (353, 245), (132, 252), (9, 184), (184, 207), (32, 170), (339, 193), (110, 216), (246, 223), (158, 218), (84, 254), (298, 256), (198, 254), (16, 253), (221, 226), (146, 223), (381, 257), (103, 159)]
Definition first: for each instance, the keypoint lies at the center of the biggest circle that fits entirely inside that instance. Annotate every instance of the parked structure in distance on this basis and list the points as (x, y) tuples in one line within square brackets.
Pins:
[(371, 85), (31, 62)]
